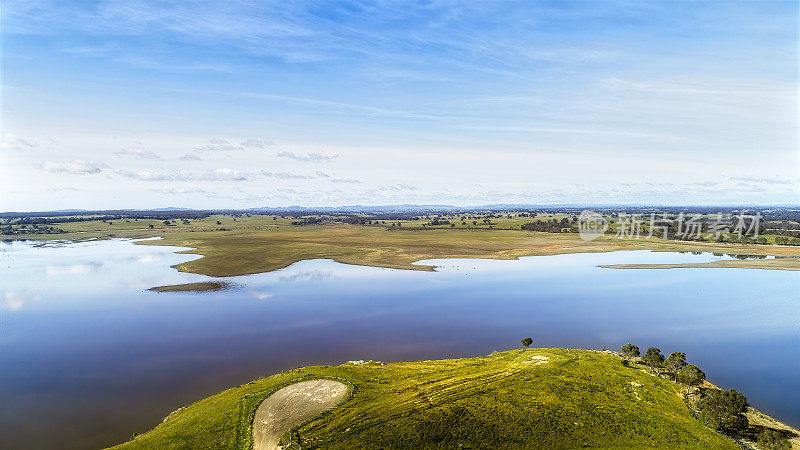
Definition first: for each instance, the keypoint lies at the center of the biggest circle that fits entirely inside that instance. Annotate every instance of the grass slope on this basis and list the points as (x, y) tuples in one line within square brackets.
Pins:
[(577, 398)]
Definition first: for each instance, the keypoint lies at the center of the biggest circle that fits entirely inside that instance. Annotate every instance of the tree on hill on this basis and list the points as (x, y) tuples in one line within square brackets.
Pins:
[(653, 357), (675, 362), (527, 342), (691, 375), (629, 350), (724, 410)]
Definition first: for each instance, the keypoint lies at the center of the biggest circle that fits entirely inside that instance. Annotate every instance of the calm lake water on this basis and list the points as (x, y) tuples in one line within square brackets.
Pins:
[(88, 356)]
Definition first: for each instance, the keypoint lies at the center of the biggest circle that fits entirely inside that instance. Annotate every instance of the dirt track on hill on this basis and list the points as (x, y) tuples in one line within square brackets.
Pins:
[(291, 406)]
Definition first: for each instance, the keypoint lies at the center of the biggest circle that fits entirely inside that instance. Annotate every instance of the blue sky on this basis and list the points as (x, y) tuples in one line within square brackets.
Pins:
[(127, 104)]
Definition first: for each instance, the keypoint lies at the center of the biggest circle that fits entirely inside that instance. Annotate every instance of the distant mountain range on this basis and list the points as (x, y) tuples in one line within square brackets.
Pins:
[(404, 208)]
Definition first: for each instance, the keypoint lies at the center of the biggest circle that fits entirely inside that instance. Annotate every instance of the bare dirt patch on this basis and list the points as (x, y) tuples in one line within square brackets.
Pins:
[(535, 360), (292, 406)]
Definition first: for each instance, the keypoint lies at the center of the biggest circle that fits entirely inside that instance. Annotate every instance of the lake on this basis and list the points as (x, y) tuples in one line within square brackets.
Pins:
[(89, 356)]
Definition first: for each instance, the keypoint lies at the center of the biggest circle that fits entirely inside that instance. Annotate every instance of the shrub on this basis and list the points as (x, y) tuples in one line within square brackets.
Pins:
[(770, 439), (676, 361), (723, 410), (653, 357), (691, 375), (630, 350)]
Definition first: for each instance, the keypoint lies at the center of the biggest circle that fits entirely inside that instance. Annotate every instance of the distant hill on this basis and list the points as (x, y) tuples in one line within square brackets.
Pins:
[(402, 208)]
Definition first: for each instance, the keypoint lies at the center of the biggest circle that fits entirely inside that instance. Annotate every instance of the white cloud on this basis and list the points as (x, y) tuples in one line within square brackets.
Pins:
[(179, 191), (190, 157), (308, 157), (218, 145), (222, 174), (256, 143), (346, 180), (398, 187), (146, 175), (63, 188), (138, 154), (11, 141), (286, 175), (76, 167), (764, 180)]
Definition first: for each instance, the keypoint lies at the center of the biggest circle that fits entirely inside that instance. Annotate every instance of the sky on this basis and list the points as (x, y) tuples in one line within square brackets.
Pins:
[(242, 104)]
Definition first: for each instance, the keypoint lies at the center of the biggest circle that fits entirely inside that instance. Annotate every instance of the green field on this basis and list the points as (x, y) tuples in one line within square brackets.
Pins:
[(576, 398)]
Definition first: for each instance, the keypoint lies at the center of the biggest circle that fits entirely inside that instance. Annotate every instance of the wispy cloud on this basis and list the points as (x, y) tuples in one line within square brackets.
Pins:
[(146, 175), (63, 189), (286, 175), (256, 143), (176, 191), (493, 92), (190, 157), (346, 180), (308, 157), (138, 154), (398, 187), (765, 180), (222, 174), (75, 167), (693, 88), (218, 145), (224, 145), (11, 141)]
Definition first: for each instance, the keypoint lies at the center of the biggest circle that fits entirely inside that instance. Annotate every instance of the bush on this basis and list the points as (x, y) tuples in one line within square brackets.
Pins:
[(630, 350), (723, 410), (653, 357), (691, 375), (676, 361), (770, 439)]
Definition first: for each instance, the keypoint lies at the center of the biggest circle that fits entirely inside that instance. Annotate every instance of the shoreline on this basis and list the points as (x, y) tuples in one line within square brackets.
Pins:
[(250, 251)]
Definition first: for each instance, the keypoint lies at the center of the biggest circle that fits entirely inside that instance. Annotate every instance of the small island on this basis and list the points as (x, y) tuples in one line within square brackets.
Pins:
[(204, 286)]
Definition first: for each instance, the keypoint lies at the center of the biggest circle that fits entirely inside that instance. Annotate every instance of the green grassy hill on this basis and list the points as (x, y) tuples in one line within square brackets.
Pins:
[(532, 398)]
